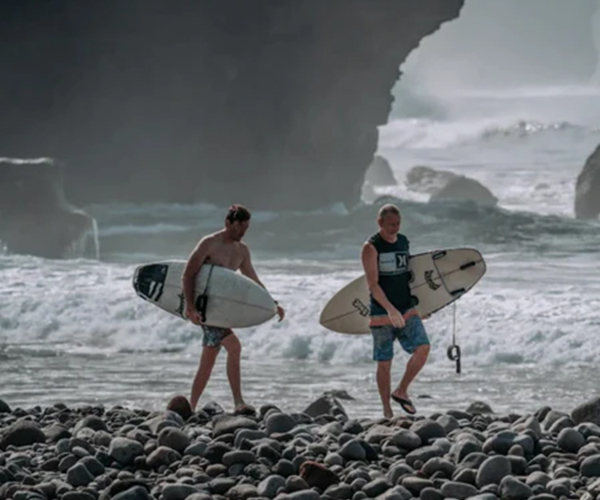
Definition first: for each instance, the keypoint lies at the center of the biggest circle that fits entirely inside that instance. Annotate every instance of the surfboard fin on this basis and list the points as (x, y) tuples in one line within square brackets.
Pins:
[(438, 255)]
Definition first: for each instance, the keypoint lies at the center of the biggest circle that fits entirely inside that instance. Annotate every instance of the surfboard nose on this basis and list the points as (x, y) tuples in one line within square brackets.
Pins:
[(149, 280)]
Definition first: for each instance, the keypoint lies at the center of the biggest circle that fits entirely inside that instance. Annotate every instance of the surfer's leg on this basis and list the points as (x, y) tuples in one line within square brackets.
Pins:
[(384, 384), (383, 352), (207, 362), (234, 350), (413, 367), (211, 342), (413, 339)]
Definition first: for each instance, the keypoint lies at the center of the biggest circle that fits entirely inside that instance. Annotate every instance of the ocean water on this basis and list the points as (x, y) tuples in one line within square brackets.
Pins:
[(74, 330)]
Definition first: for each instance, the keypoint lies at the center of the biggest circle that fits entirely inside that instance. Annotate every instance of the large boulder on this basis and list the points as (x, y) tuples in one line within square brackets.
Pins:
[(275, 104), (587, 412), (465, 189), (35, 216), (446, 185), (380, 173), (587, 190), (422, 179)]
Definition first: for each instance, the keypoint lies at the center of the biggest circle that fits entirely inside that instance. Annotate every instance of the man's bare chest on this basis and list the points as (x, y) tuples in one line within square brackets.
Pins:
[(225, 256)]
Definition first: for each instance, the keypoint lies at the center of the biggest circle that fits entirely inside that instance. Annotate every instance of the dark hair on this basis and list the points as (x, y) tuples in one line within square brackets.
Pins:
[(238, 213)]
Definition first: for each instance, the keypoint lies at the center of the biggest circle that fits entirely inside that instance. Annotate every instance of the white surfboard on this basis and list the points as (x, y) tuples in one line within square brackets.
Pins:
[(438, 278), (232, 300)]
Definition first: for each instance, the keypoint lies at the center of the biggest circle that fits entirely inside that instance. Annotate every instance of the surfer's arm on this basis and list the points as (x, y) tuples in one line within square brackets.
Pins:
[(369, 261), (194, 263), (247, 269)]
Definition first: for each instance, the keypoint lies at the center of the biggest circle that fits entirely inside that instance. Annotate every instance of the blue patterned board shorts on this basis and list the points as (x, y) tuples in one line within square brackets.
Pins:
[(214, 335), (410, 337)]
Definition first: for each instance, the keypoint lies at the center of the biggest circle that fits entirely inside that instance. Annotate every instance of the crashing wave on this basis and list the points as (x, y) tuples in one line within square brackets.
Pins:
[(525, 128)]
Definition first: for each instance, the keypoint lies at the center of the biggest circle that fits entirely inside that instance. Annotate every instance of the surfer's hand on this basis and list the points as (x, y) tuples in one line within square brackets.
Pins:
[(396, 318), (193, 315), (280, 312)]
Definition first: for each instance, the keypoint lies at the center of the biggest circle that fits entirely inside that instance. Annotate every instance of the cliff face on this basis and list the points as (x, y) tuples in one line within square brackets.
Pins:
[(271, 103), (587, 189), (35, 216)]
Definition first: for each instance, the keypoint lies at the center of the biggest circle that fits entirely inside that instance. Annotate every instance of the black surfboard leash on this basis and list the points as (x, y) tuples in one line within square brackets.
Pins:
[(202, 300), (453, 351)]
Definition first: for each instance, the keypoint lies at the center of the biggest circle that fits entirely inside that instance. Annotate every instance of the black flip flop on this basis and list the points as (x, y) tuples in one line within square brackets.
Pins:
[(407, 404)]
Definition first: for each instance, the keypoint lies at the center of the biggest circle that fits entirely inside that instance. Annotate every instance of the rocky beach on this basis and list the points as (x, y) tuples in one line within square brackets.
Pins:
[(129, 129), (98, 453)]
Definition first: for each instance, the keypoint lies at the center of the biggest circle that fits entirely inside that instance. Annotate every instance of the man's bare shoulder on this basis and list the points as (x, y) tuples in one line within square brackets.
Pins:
[(368, 247), (243, 249), (210, 240)]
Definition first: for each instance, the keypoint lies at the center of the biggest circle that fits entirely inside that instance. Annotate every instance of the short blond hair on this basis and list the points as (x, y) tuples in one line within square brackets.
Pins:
[(388, 209)]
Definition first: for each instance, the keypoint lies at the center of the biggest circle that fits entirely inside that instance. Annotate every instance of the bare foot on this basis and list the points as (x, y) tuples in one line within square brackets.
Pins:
[(244, 409)]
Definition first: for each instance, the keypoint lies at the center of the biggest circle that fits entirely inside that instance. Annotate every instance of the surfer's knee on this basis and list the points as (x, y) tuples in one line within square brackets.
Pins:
[(414, 337), (232, 345), (210, 352), (422, 351)]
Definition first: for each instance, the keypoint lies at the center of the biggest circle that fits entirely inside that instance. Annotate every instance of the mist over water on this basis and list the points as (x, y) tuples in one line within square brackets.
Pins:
[(528, 331), (509, 44)]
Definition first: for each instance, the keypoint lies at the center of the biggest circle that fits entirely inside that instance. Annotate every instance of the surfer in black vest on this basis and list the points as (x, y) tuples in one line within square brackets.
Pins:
[(385, 258)]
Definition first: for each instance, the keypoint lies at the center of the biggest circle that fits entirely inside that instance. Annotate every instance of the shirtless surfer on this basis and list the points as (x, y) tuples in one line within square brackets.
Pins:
[(223, 248)]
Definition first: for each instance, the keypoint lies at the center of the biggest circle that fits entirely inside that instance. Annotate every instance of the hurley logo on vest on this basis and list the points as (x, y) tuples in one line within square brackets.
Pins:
[(393, 263)]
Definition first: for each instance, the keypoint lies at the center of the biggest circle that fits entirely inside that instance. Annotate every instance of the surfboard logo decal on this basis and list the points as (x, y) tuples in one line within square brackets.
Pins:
[(181, 306), (429, 280), (150, 280), (155, 291), (362, 309)]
